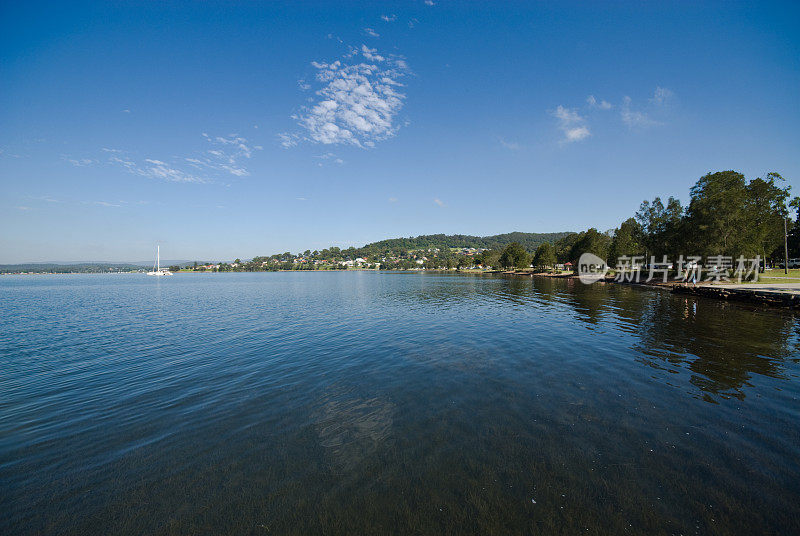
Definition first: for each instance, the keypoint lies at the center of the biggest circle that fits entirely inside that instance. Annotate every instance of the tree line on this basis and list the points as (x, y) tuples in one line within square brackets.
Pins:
[(726, 215)]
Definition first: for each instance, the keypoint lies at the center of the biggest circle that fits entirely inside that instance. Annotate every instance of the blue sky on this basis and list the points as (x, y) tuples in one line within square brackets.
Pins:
[(234, 129)]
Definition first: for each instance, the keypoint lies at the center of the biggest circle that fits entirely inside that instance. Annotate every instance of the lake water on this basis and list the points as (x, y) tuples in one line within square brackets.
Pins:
[(367, 403)]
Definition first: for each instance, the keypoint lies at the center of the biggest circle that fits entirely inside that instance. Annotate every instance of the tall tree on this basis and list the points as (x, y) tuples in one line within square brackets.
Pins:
[(545, 256), (716, 214), (592, 241), (515, 256), (628, 240), (765, 210), (490, 257), (659, 225), (564, 246)]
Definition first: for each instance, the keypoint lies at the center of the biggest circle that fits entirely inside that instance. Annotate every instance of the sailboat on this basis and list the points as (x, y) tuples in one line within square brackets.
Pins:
[(157, 269)]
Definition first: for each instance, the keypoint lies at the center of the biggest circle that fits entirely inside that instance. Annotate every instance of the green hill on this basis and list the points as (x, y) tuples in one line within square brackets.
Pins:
[(529, 241)]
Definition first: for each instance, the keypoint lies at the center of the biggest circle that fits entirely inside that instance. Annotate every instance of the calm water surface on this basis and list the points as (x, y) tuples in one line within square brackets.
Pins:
[(376, 403)]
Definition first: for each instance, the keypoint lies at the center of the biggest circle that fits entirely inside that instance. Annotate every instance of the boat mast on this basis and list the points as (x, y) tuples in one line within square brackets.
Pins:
[(158, 258)]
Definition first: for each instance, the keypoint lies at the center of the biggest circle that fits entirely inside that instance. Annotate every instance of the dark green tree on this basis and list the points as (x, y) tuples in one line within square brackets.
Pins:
[(715, 218), (514, 256), (490, 257), (627, 240), (659, 225), (545, 256), (765, 210), (592, 241)]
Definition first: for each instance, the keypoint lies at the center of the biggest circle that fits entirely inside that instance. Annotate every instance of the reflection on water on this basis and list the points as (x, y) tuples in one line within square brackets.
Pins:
[(722, 344), (392, 403)]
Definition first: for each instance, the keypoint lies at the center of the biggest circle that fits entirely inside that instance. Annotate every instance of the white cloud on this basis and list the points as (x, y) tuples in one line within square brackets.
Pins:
[(514, 146), (81, 162), (157, 169), (393, 200), (429, 3), (288, 140), (572, 124), (439, 202), (330, 157), (226, 155), (372, 33), (389, 18), (47, 198), (661, 96), (23, 208), (153, 168), (567, 115), (357, 103), (224, 158), (239, 143), (126, 111), (107, 204), (601, 104), (577, 133), (371, 54), (634, 118)]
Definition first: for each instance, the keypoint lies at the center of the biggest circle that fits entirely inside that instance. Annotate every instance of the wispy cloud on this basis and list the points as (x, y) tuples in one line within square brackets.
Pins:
[(438, 202), (512, 145), (571, 124), (331, 158), (389, 18), (288, 139), (393, 200), (372, 33), (23, 208), (634, 118), (575, 126), (46, 198), (81, 162), (156, 169), (601, 104), (430, 3), (357, 103), (107, 204), (661, 96), (226, 155)]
